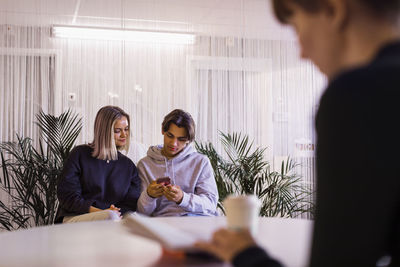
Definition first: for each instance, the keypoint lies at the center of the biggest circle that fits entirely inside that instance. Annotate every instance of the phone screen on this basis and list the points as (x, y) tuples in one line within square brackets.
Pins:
[(164, 180)]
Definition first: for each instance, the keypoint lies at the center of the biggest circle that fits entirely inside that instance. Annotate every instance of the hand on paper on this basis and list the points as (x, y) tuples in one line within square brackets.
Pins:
[(155, 190), (226, 244), (115, 209), (173, 193), (112, 207), (94, 209)]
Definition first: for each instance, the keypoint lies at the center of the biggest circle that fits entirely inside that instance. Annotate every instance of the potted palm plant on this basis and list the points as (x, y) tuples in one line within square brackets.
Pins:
[(245, 171), (30, 175)]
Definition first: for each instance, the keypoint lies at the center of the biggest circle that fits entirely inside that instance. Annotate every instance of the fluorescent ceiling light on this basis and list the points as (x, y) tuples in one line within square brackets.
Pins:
[(93, 33)]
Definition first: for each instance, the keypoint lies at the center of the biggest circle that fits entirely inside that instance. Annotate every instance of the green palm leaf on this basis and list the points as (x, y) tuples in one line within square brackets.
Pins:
[(60, 132), (30, 175), (245, 171)]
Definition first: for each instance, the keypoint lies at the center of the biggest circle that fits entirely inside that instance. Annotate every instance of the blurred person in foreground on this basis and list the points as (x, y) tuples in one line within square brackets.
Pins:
[(355, 43)]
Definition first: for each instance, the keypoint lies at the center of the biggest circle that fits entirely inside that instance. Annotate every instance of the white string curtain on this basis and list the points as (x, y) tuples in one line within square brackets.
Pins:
[(231, 93), (295, 105), (26, 80), (241, 75), (145, 80)]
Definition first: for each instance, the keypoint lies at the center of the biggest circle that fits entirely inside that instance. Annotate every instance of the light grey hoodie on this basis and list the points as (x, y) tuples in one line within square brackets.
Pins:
[(190, 170)]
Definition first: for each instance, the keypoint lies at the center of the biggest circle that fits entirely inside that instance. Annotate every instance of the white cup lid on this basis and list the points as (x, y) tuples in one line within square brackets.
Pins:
[(242, 199)]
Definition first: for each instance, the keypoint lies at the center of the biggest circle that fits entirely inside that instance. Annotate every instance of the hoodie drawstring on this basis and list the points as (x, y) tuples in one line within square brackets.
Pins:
[(172, 168), (173, 172), (166, 167)]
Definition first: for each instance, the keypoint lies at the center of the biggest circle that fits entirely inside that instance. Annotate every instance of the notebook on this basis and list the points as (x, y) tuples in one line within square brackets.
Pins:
[(170, 237)]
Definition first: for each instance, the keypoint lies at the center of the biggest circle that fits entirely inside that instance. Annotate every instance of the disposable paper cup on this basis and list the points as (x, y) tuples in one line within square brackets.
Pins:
[(242, 212)]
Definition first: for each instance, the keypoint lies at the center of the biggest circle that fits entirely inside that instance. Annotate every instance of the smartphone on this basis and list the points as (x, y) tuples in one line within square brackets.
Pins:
[(163, 180)]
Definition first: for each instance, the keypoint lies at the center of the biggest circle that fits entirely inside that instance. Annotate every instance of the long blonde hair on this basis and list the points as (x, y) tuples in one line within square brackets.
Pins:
[(103, 144)]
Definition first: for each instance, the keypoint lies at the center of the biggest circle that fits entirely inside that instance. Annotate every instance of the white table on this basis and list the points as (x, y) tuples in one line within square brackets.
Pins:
[(109, 243)]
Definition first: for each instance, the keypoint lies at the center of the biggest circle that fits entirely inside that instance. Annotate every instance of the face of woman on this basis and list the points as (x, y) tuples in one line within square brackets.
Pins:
[(121, 131), (319, 38)]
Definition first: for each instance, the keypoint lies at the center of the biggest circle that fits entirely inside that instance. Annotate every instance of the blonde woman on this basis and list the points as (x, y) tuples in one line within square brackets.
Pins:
[(98, 182)]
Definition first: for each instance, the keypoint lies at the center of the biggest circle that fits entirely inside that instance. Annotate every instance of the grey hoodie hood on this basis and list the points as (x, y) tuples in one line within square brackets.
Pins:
[(154, 152), (158, 158)]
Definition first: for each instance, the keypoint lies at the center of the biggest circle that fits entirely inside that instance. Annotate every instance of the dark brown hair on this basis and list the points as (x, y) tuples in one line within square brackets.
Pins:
[(181, 119), (387, 8), (283, 10)]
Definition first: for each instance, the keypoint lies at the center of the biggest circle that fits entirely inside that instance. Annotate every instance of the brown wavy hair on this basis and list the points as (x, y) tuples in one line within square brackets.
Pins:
[(383, 8), (182, 119)]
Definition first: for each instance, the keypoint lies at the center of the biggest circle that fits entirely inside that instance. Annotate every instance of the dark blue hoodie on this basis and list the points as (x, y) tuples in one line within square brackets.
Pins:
[(87, 181)]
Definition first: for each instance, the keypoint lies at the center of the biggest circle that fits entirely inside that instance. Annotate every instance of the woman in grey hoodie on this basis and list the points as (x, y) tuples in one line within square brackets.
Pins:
[(192, 189)]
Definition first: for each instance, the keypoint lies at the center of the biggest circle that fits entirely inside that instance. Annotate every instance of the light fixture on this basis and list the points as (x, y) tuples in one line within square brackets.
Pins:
[(94, 33)]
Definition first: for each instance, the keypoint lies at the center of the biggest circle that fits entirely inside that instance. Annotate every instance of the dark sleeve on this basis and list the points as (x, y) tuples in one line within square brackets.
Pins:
[(69, 190), (357, 176), (130, 201), (254, 257)]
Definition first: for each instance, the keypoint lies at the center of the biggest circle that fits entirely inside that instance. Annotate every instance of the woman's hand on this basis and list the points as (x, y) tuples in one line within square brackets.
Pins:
[(112, 207), (155, 190), (226, 244), (94, 209), (173, 193), (115, 209)]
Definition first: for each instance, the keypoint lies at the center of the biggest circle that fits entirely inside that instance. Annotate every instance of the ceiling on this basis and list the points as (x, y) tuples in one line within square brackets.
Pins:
[(250, 18)]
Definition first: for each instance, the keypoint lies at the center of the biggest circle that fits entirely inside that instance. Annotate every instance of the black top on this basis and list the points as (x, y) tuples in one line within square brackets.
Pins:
[(358, 166), (87, 181), (254, 257)]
